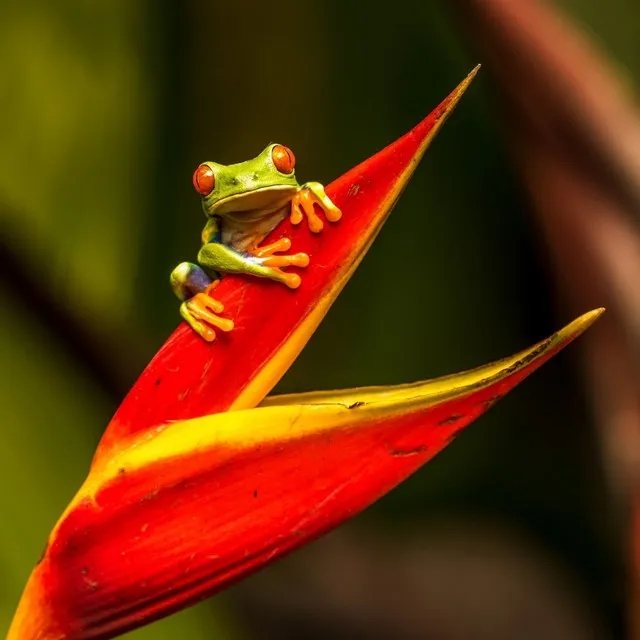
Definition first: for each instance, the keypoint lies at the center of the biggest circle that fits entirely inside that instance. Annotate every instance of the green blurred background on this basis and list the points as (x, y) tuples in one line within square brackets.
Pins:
[(105, 110)]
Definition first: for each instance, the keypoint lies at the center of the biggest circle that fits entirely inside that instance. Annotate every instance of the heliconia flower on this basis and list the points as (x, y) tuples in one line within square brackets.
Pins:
[(193, 487)]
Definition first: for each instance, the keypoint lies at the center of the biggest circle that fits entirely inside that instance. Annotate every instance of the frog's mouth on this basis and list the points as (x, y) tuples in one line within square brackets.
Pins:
[(254, 204)]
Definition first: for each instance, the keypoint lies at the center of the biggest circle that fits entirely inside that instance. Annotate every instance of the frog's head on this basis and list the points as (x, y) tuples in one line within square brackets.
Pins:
[(262, 184)]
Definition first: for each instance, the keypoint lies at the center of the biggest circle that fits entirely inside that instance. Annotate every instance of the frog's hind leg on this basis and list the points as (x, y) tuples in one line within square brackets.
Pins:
[(193, 286), (188, 279)]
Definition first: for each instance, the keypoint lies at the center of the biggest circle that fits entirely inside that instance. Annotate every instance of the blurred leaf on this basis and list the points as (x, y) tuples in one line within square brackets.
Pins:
[(74, 128), (575, 135), (576, 139)]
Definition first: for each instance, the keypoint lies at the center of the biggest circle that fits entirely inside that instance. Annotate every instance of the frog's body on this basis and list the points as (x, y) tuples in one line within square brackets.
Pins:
[(243, 202)]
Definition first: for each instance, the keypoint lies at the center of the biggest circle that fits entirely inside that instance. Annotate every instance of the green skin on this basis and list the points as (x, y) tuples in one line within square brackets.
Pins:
[(248, 200)]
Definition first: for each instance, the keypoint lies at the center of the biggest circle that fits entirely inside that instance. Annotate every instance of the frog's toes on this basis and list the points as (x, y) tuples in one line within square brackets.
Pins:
[(282, 244), (201, 314), (304, 201), (292, 280), (293, 260), (272, 271), (301, 205), (268, 259)]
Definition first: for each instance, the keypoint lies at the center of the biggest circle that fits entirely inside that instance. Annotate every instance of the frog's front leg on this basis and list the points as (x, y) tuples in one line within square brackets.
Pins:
[(261, 262), (193, 286), (302, 203)]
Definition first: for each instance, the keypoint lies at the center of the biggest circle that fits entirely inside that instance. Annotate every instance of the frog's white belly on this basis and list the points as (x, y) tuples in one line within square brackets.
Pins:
[(244, 231)]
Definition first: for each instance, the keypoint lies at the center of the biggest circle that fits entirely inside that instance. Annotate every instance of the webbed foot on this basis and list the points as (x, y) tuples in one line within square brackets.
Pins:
[(201, 313), (302, 203), (273, 263)]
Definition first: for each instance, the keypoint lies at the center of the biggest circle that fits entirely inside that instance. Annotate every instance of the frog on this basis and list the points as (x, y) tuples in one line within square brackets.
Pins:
[(242, 203)]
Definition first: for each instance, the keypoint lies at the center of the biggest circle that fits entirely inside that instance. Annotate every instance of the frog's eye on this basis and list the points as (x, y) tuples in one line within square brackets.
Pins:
[(204, 180), (283, 158)]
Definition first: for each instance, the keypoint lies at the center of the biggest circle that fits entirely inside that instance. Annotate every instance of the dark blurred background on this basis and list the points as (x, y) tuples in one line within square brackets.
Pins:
[(105, 110)]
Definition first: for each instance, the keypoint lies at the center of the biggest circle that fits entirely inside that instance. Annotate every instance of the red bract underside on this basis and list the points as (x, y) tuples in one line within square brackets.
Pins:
[(143, 549)]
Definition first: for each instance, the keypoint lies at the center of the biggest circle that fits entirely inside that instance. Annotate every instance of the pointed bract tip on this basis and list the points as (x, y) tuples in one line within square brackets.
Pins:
[(431, 125), (587, 319), (578, 326), (456, 94)]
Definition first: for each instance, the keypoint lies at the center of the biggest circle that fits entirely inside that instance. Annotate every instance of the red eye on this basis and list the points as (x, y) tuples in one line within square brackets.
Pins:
[(283, 158), (204, 180)]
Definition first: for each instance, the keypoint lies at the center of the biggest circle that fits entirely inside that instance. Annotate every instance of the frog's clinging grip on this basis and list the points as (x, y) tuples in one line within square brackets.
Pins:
[(201, 313), (310, 194), (218, 257), (243, 202)]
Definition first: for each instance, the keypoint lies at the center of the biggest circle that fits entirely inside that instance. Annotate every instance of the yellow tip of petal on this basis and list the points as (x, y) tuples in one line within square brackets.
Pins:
[(445, 110)]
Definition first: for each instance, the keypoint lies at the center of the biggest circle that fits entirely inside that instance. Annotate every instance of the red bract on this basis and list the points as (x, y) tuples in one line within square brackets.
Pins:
[(190, 378), (185, 497)]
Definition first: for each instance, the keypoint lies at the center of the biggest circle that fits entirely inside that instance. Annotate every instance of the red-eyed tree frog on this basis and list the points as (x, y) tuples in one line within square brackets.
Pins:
[(243, 202)]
